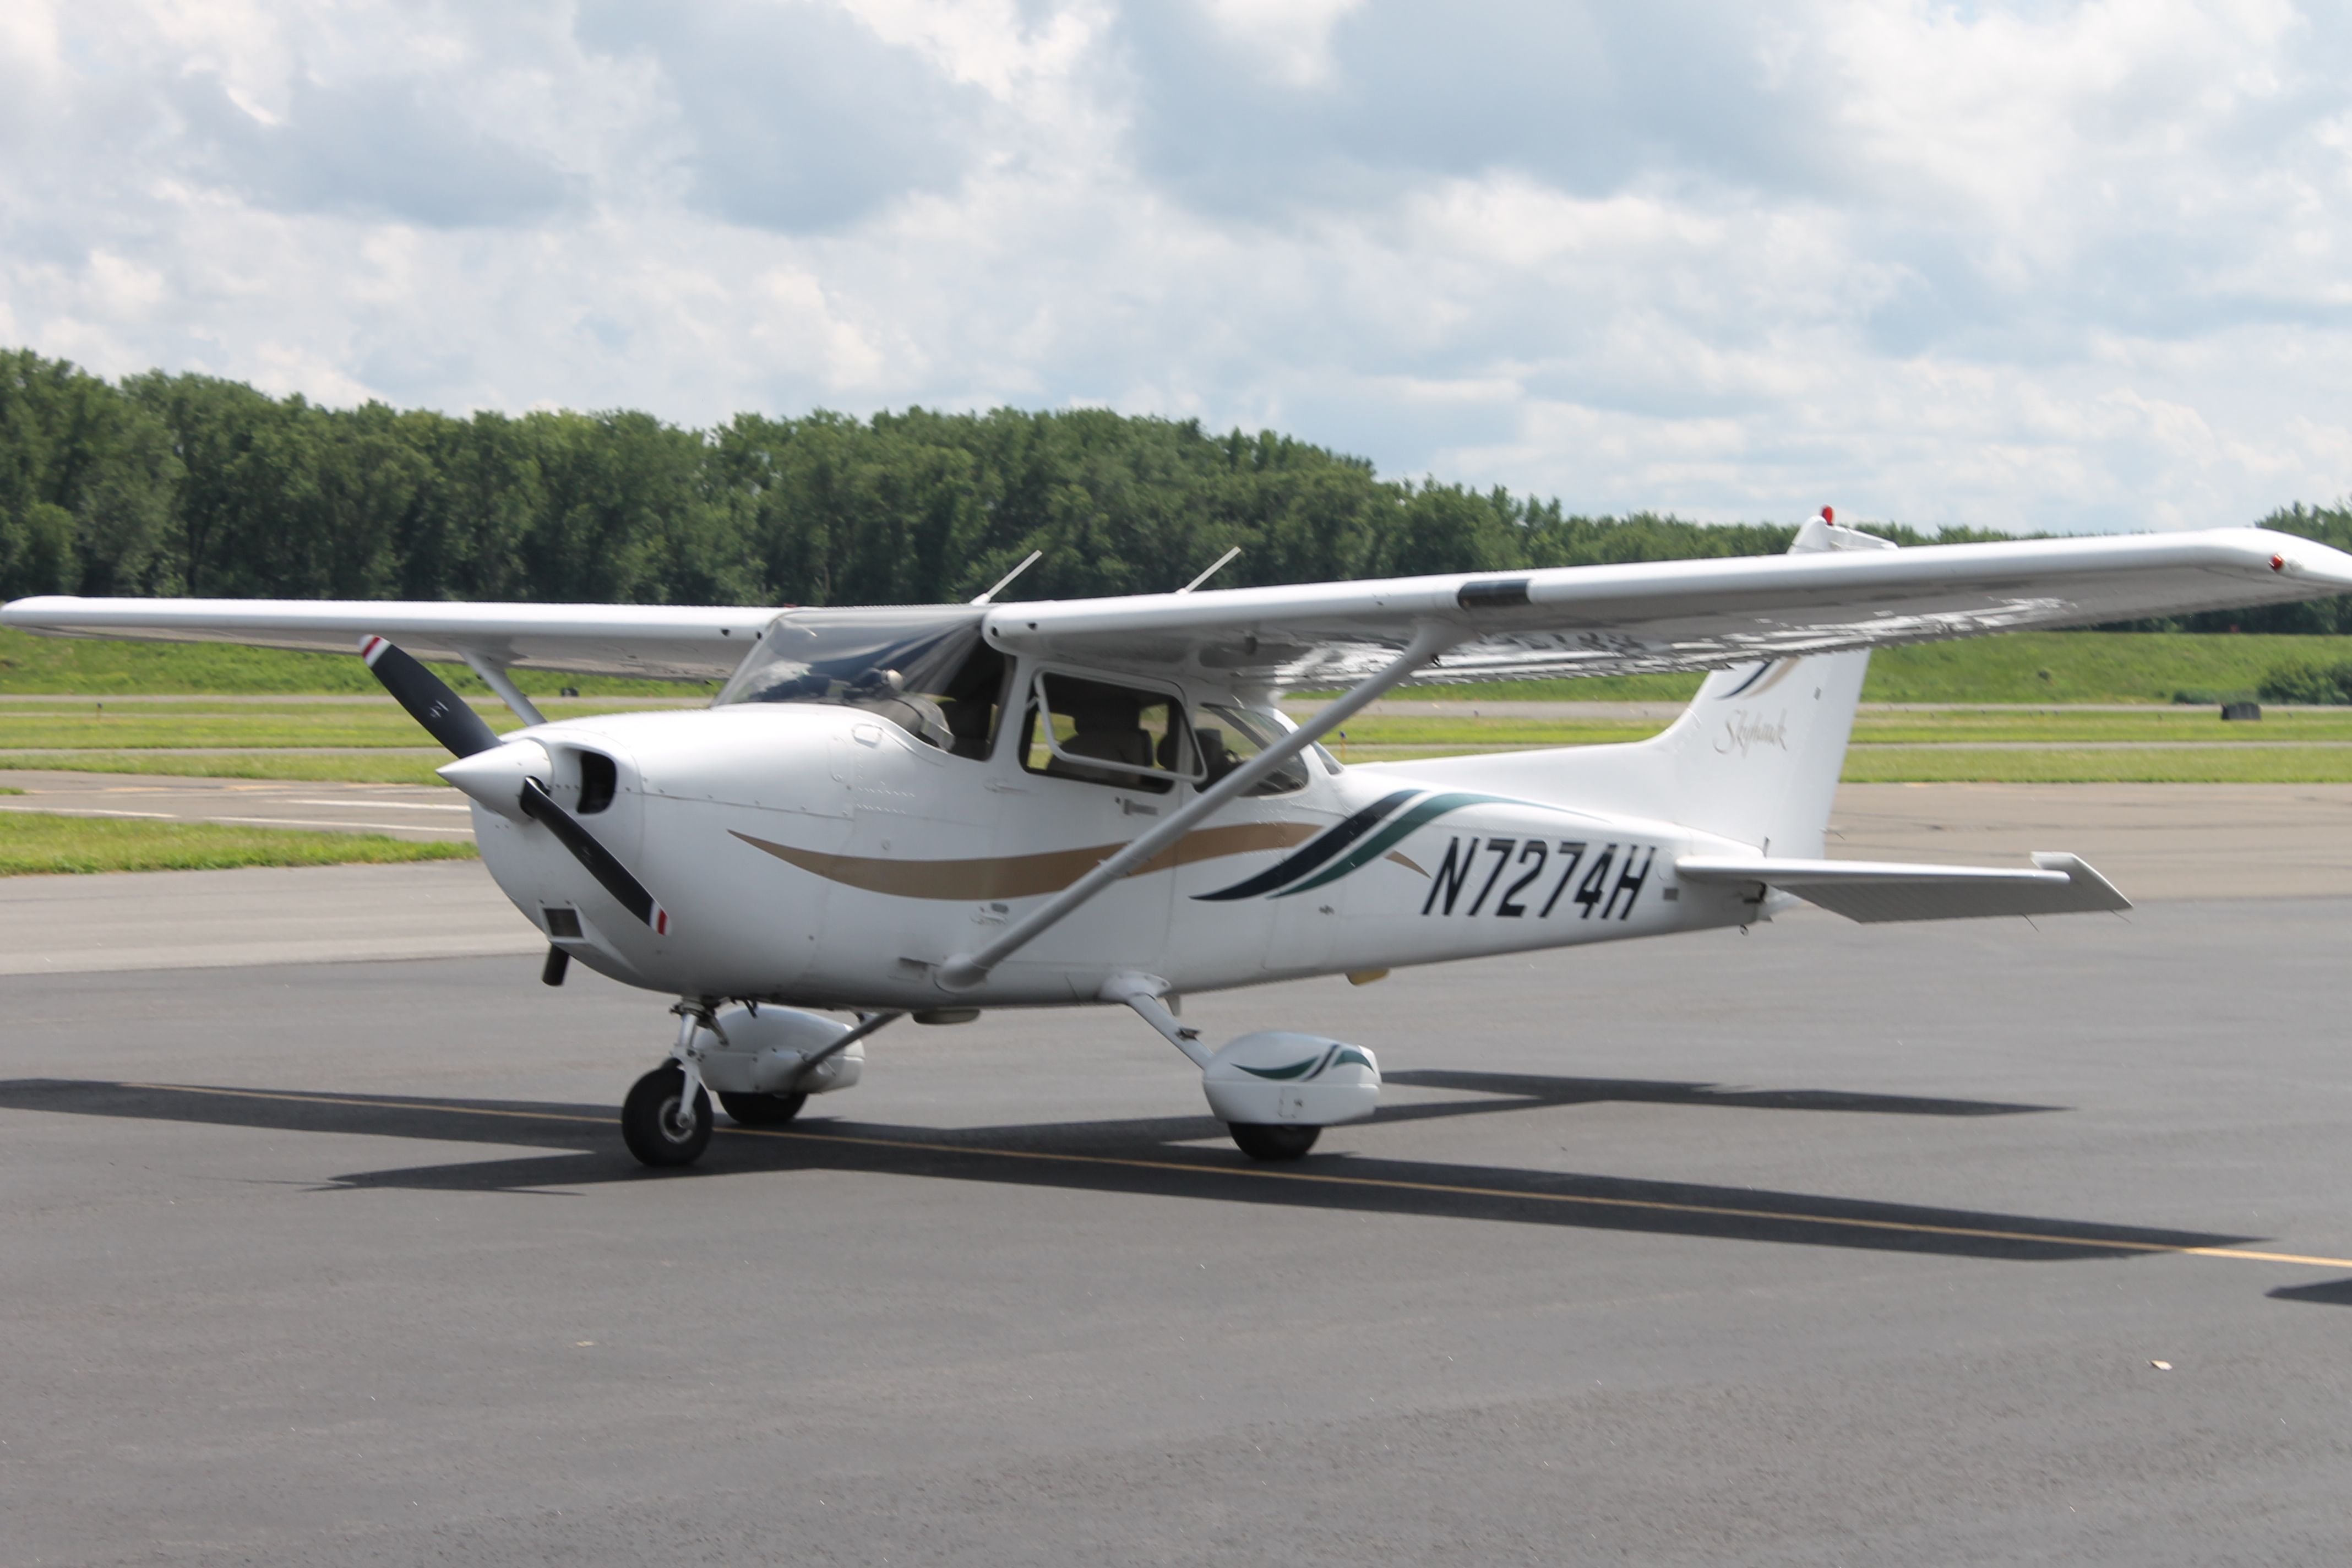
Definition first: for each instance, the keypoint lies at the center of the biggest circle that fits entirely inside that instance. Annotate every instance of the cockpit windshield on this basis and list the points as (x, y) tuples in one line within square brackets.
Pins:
[(925, 669)]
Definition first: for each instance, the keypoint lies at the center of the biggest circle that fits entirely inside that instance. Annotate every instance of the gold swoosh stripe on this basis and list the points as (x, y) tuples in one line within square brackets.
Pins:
[(1027, 876)]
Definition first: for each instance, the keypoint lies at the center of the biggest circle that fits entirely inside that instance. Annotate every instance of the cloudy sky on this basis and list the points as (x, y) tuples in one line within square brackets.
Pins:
[(2034, 266)]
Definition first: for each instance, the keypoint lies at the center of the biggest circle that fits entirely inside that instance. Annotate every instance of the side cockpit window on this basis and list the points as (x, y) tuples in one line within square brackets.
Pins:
[(926, 670), (972, 705), (1229, 735)]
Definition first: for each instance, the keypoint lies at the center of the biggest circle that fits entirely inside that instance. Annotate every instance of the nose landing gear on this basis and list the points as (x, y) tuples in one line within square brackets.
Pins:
[(776, 1058), (663, 1126)]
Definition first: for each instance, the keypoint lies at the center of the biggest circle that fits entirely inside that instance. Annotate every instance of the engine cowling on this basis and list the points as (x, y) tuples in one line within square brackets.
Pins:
[(1277, 1076)]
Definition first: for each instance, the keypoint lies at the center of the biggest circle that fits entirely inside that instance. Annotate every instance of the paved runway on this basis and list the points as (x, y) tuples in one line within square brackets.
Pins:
[(206, 919), (403, 811), (1823, 1243)]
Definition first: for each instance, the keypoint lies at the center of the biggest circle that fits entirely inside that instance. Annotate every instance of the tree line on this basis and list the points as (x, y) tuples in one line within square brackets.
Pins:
[(186, 484)]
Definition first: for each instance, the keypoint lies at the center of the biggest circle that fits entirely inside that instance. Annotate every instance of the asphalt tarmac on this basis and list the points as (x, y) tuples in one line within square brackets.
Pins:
[(1823, 1243), (401, 811)]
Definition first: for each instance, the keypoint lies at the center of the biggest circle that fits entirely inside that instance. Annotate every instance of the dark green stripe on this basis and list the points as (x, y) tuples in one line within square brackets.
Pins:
[(1302, 861), (1423, 812)]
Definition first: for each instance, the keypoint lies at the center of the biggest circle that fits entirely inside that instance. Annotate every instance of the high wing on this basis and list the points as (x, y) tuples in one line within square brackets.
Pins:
[(1848, 593), (669, 642)]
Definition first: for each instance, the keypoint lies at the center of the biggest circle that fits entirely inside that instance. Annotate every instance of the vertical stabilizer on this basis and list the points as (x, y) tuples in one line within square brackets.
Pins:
[(1754, 759)]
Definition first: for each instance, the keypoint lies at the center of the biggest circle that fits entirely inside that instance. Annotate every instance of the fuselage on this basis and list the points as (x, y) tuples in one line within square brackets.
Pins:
[(823, 855)]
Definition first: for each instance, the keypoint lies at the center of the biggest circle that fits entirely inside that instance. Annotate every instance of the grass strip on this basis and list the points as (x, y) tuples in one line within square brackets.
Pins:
[(326, 767), (2218, 764), (121, 724), (2039, 765), (42, 842), (2017, 667)]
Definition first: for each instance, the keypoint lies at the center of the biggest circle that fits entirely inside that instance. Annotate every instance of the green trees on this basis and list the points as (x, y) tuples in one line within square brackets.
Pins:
[(2304, 680), (88, 484), (191, 484)]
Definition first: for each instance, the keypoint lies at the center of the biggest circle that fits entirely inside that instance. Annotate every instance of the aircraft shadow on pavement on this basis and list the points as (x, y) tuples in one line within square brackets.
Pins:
[(582, 1149), (1535, 1088), (2329, 1293)]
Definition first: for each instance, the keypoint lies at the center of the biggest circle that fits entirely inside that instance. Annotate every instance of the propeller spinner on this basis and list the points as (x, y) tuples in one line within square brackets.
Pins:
[(507, 776)]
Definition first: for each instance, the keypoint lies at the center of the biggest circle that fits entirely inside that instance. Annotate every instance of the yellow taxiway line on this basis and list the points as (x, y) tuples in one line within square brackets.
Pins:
[(1383, 1184)]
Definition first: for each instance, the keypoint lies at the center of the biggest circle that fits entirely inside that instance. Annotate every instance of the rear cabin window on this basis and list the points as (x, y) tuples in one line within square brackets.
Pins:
[(1105, 733)]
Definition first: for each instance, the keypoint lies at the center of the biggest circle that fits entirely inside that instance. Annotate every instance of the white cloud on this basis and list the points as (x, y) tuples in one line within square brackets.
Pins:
[(2037, 264)]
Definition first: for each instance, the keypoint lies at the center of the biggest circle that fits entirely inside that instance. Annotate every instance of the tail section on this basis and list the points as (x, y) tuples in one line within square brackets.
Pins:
[(1754, 759), (1756, 756)]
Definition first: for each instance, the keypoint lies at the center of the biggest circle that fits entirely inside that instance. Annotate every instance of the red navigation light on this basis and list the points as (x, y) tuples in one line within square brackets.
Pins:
[(1829, 515), (2278, 563)]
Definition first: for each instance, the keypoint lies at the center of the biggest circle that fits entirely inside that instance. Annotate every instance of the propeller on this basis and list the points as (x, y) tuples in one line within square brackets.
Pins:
[(428, 699), (501, 774), (541, 807)]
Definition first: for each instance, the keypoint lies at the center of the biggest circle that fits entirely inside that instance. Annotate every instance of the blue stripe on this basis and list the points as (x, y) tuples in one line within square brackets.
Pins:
[(1750, 680)]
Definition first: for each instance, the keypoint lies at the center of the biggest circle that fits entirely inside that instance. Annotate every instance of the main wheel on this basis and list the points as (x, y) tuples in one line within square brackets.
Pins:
[(658, 1127), (1273, 1141), (763, 1109)]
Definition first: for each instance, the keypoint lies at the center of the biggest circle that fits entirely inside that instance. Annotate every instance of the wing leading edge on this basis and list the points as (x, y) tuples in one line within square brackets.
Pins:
[(1844, 590), (1847, 590)]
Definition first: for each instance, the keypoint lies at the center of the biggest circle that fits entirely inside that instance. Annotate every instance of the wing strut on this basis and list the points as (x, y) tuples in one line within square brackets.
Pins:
[(966, 970), (494, 676)]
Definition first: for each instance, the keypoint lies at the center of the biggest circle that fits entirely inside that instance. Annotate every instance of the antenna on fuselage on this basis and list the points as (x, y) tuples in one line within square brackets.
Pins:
[(1003, 582), (1213, 571)]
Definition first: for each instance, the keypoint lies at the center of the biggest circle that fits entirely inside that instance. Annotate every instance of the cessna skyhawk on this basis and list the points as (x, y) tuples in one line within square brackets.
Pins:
[(898, 811)]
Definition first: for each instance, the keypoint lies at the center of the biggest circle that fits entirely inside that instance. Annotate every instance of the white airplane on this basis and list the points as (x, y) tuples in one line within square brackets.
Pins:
[(927, 811)]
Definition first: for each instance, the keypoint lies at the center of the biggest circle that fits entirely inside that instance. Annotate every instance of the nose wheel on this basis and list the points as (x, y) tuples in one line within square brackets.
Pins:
[(659, 1124)]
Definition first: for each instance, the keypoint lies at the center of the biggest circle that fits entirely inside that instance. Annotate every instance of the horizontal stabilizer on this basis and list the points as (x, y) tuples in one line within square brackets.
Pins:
[(1874, 890)]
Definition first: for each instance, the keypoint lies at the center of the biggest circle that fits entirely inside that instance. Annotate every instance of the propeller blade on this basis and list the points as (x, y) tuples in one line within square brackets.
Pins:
[(431, 703), (428, 699), (541, 807)]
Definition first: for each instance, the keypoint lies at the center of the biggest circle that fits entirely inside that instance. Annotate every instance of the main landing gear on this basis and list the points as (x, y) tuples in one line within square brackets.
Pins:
[(1272, 1140), (761, 1110), (1274, 1090)]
